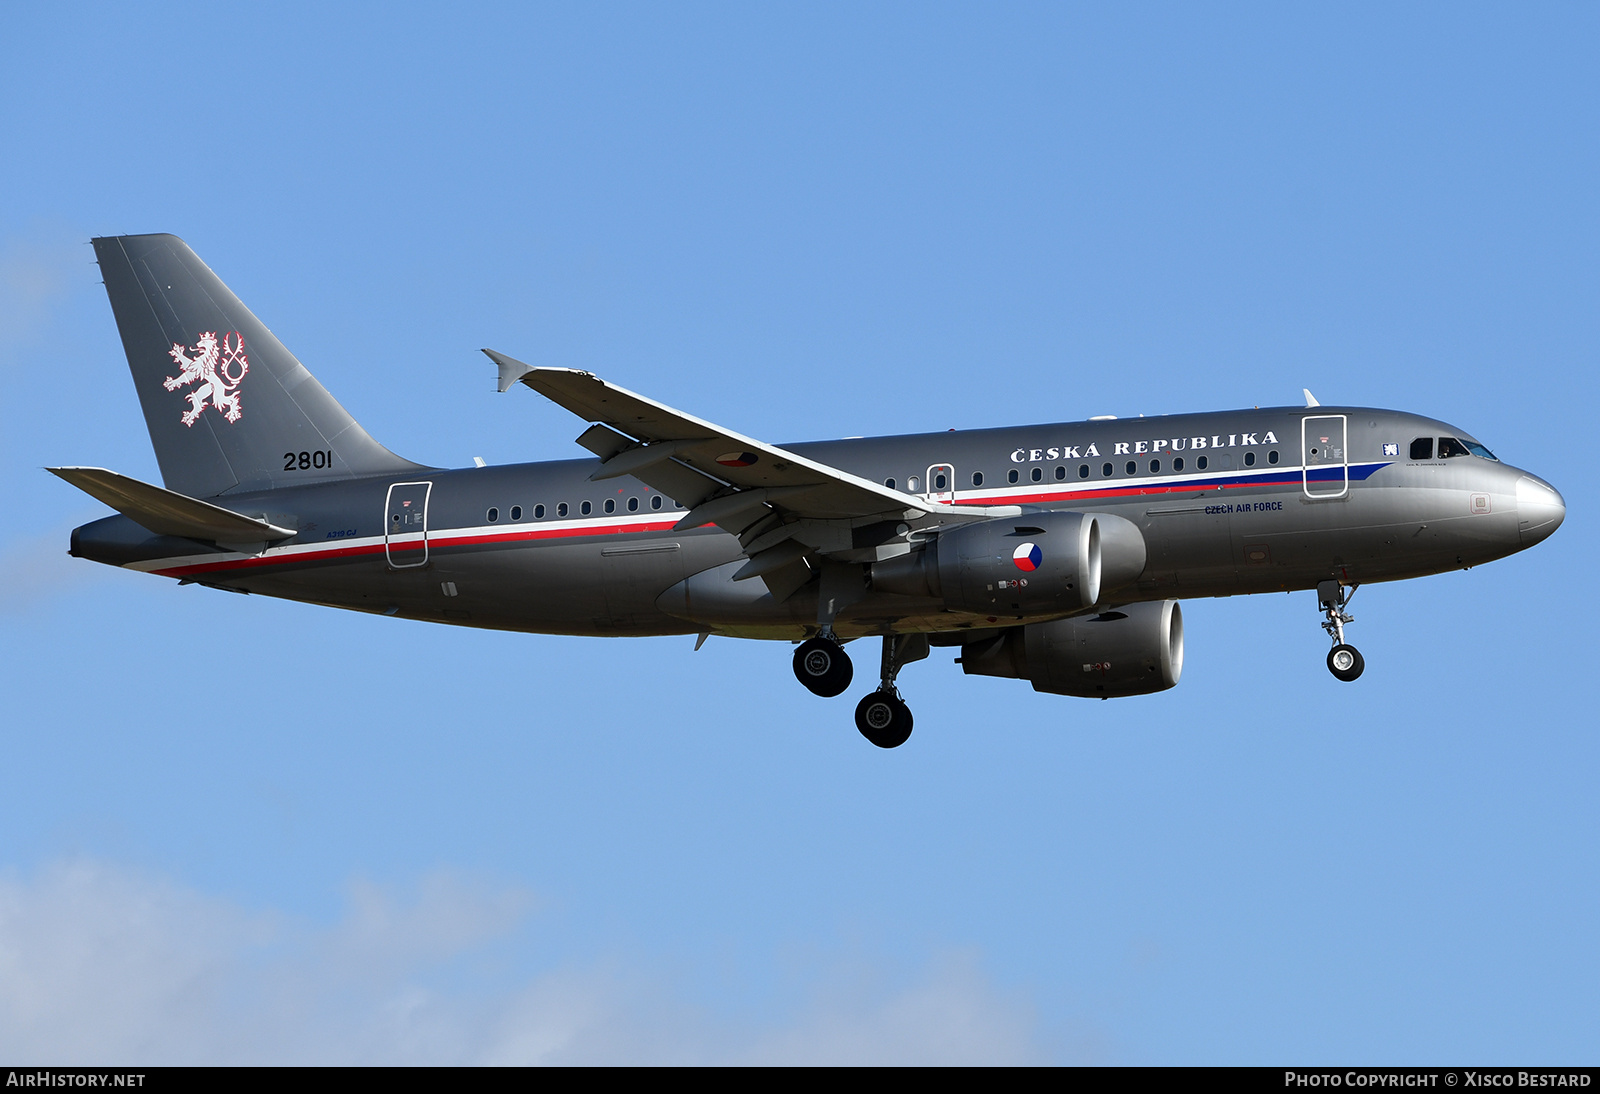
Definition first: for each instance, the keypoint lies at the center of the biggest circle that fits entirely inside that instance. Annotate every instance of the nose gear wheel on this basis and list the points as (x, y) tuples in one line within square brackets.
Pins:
[(1345, 662)]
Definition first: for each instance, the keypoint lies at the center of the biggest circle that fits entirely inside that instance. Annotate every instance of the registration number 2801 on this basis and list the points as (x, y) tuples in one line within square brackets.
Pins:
[(305, 461)]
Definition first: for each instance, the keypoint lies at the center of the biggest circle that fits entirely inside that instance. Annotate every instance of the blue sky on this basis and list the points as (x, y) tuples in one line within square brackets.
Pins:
[(237, 829)]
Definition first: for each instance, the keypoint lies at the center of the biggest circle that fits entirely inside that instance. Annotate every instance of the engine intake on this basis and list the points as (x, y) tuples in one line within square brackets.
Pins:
[(1036, 564), (1134, 650)]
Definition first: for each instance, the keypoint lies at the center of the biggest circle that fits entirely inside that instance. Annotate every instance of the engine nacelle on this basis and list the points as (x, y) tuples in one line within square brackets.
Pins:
[(1035, 564), (1135, 650)]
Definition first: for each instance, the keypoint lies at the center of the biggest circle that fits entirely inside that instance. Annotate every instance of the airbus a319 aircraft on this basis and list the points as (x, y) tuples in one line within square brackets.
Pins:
[(1054, 554)]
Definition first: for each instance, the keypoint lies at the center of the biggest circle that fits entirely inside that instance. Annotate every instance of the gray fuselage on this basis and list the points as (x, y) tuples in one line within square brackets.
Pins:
[(1233, 502)]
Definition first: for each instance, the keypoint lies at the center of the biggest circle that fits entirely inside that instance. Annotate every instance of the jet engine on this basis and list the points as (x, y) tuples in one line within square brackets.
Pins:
[(1035, 564), (1136, 649)]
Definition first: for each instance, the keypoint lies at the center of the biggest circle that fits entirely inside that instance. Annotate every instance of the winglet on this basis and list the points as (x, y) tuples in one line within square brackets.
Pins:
[(1311, 400), (511, 369)]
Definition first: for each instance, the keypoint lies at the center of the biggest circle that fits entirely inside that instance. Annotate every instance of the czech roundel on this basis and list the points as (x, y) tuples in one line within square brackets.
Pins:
[(737, 459), (1027, 557)]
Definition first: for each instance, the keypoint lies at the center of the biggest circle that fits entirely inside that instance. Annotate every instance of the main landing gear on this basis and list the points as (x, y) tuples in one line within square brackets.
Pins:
[(883, 718), (822, 665), (1344, 661)]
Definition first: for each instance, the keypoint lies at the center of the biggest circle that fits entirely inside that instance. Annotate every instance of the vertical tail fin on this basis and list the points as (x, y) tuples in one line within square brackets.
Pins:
[(229, 408)]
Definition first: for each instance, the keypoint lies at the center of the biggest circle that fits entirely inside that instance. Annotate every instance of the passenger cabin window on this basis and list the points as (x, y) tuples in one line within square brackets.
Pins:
[(1061, 473), (633, 505), (1011, 476), (1272, 457), (1201, 462), (1155, 466), (940, 482), (889, 483), (1105, 471), (655, 502), (611, 505), (1038, 474), (977, 478), (585, 508), (561, 510), (1133, 467), (1450, 448), (1177, 463), (1083, 471), (494, 514), (913, 484), (538, 512), (1422, 448), (516, 512), (1249, 459)]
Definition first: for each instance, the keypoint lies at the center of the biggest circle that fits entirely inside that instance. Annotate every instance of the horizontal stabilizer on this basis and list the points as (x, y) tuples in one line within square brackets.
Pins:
[(166, 512)]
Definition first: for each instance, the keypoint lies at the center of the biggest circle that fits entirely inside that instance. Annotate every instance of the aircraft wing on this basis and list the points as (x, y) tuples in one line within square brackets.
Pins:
[(659, 433), (780, 504)]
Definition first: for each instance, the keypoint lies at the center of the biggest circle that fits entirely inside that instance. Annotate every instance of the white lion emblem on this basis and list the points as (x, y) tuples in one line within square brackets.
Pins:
[(213, 364)]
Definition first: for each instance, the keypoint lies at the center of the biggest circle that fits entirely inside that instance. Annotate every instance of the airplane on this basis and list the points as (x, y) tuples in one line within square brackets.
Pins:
[(1056, 553)]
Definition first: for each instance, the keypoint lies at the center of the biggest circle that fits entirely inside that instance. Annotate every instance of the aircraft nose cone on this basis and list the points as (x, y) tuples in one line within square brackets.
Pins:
[(1540, 509)]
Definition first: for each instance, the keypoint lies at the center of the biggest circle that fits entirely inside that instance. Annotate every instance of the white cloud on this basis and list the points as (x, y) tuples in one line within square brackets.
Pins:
[(100, 965)]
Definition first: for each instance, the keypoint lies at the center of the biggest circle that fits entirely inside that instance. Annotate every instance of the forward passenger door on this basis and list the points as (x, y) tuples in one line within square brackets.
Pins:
[(1326, 471)]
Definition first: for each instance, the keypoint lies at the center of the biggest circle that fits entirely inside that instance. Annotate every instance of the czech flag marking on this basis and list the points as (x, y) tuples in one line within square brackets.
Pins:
[(1027, 557), (737, 459)]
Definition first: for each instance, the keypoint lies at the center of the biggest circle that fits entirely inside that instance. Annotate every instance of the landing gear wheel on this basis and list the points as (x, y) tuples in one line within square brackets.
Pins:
[(883, 719), (823, 667), (1345, 662)]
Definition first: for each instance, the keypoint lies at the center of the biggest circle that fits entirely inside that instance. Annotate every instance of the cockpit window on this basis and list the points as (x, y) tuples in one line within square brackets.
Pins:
[(1449, 448)]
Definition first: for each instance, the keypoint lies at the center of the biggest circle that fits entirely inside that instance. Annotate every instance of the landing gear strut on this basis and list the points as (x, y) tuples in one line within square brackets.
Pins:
[(822, 665), (1344, 661), (883, 717)]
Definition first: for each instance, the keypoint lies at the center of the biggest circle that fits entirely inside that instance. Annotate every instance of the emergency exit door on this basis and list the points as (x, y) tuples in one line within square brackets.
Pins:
[(941, 484)]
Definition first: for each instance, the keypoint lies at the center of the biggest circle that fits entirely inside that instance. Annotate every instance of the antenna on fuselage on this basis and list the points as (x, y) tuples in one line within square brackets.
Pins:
[(1311, 400)]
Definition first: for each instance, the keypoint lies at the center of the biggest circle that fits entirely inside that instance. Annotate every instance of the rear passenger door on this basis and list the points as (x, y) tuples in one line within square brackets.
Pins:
[(405, 524)]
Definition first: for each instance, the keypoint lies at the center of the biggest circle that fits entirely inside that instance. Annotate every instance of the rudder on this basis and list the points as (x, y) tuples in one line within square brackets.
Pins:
[(228, 407)]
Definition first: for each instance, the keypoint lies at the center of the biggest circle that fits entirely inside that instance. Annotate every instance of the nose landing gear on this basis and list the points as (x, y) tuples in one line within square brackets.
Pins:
[(883, 717), (1344, 660)]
